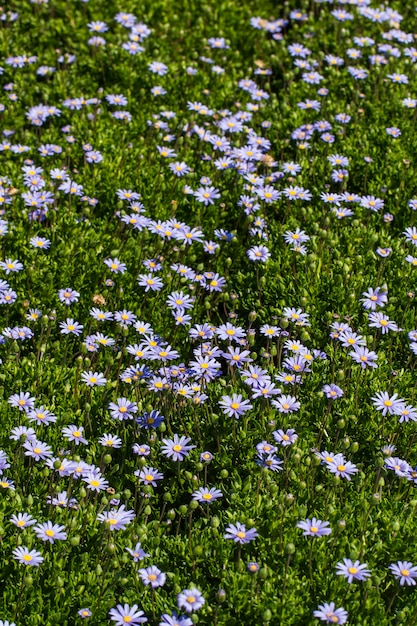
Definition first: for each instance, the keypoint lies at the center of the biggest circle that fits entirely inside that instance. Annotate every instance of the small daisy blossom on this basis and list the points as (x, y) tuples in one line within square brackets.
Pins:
[(314, 527), (385, 403), (328, 613), (190, 600), (352, 570), (176, 448), (405, 572), (152, 576), (27, 557), (93, 379), (125, 614), (342, 468), (239, 533)]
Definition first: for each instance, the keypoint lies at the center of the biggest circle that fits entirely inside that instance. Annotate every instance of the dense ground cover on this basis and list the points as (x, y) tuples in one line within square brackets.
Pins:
[(209, 335)]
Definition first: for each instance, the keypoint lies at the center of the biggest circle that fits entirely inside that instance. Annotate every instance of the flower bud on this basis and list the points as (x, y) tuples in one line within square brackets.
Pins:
[(221, 596), (376, 498)]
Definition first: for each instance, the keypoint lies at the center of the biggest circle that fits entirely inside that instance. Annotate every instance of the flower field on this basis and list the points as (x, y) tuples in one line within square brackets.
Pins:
[(208, 338)]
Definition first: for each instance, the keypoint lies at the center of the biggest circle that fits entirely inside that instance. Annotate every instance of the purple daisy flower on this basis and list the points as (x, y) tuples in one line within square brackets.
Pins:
[(352, 570), (176, 448), (405, 572), (314, 527), (234, 406), (152, 576), (240, 534), (328, 613)]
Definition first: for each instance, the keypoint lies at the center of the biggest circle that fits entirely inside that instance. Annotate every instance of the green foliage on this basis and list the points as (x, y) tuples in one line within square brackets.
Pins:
[(371, 515)]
